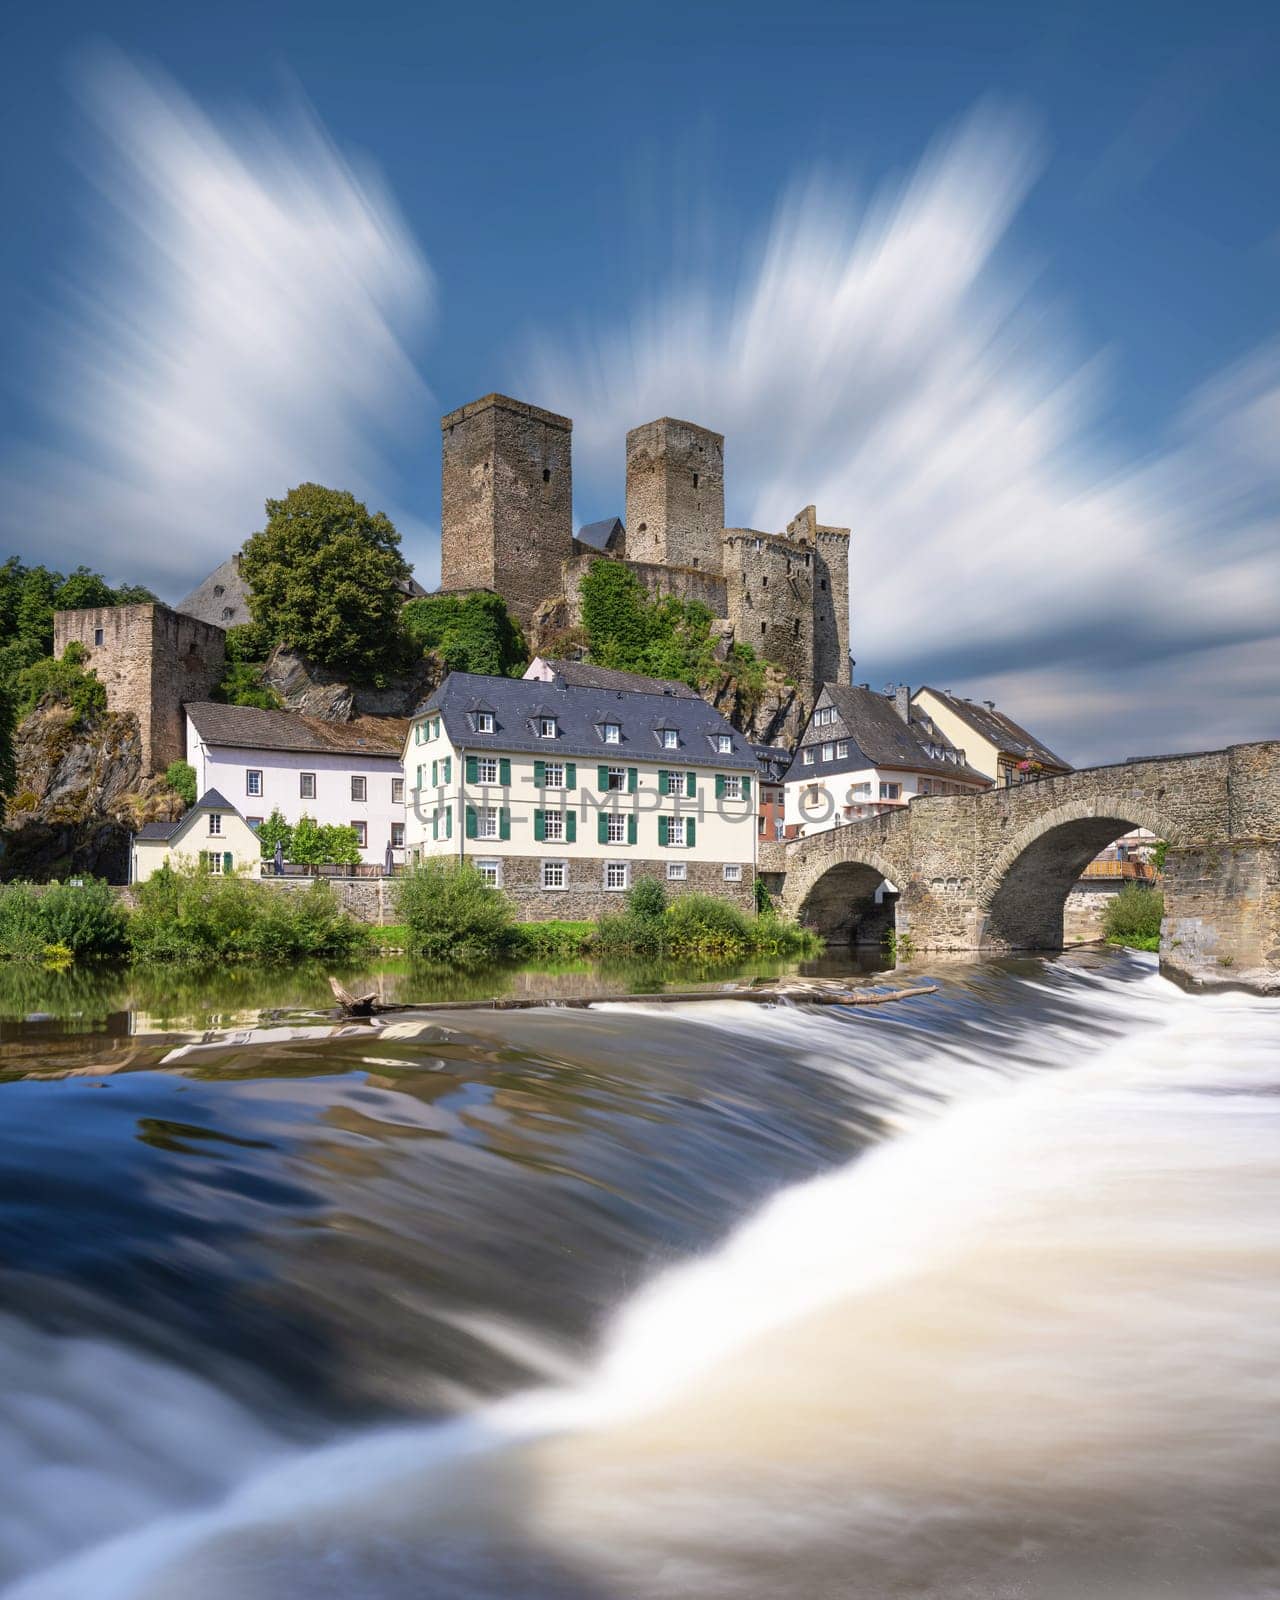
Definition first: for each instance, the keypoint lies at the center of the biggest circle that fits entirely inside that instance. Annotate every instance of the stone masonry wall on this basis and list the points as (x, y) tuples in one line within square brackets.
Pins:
[(150, 661), (675, 494), (506, 501), (770, 589), (586, 898), (367, 899), (685, 583)]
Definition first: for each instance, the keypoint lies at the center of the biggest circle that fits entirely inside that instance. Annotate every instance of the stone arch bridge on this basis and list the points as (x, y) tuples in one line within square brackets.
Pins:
[(992, 871)]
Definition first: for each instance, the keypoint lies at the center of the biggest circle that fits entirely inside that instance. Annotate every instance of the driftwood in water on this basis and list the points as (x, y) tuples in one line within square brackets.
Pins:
[(761, 991)]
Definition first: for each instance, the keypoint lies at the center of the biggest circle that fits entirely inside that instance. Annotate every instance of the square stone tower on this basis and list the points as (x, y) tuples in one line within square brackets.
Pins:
[(506, 501), (675, 494)]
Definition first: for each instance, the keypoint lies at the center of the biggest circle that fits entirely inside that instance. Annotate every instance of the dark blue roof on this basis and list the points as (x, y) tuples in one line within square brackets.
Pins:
[(599, 535), (580, 713), (210, 800)]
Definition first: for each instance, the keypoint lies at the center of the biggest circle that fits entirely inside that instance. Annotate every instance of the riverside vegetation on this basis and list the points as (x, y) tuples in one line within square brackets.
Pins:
[(1133, 918)]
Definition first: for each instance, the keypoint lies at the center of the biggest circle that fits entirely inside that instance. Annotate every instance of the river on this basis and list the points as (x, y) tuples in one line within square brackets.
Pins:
[(974, 1297)]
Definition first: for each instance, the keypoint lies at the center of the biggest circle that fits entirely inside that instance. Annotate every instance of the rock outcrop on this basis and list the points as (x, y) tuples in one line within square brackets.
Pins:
[(316, 692), (79, 794)]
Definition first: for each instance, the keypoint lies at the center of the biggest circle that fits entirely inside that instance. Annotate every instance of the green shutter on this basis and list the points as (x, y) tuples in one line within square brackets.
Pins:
[(633, 780), (690, 832), (448, 769), (570, 826), (746, 788), (662, 830), (504, 822), (228, 865), (602, 778), (602, 827), (448, 823), (539, 825), (719, 785), (435, 824), (504, 772), (631, 828), (663, 775), (690, 784), (471, 822), (419, 777), (571, 775), (435, 774), (473, 770), (539, 774)]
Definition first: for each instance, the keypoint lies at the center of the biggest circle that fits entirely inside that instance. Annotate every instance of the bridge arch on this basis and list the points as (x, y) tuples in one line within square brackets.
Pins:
[(837, 898), (1021, 897)]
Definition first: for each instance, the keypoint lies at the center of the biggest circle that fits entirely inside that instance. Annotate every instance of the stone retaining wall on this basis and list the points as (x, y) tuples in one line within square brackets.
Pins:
[(585, 899)]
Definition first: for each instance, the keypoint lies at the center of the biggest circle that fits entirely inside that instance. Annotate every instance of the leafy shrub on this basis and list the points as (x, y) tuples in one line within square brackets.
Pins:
[(86, 920), (248, 642), (701, 925), (694, 926), (315, 843), (181, 778), (1133, 917), (453, 914), (242, 685), (21, 928), (472, 633), (64, 680), (647, 898), (191, 915), (546, 940)]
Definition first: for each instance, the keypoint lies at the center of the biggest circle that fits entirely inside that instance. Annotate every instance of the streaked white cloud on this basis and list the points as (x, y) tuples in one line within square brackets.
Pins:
[(881, 357), (239, 321)]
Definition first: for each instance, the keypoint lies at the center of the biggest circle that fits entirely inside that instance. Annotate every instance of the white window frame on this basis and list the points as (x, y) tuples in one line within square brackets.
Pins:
[(615, 827), (612, 732), (486, 769), (891, 791), (677, 871), (828, 751), (213, 862), (732, 786), (842, 749), (733, 872), (487, 822), (361, 830), (620, 869), (620, 773), (553, 775), (484, 721), (253, 782), (361, 784), (397, 791), (670, 739), (553, 826), (305, 779), (490, 869), (397, 843), (215, 824), (724, 744), (546, 727), (806, 755), (676, 833), (552, 870)]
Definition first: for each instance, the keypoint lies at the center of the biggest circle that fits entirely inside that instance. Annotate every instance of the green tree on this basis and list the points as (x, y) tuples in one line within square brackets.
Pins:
[(340, 845), (242, 685), (84, 589), (325, 575), (454, 916), (307, 846), (181, 778), (471, 632), (275, 830), (6, 747), (63, 680)]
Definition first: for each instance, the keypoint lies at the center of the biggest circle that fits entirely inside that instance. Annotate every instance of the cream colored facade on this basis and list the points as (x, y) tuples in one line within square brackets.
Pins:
[(224, 838), (494, 805), (979, 752)]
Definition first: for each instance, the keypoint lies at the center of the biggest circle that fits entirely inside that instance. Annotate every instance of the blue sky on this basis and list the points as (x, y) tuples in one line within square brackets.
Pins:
[(994, 284)]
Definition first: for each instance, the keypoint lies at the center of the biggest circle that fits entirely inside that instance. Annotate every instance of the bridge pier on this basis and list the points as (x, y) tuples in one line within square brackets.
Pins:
[(1222, 915)]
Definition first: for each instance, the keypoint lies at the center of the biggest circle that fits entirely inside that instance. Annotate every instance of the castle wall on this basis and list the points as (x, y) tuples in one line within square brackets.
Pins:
[(831, 606), (770, 582), (507, 500), (150, 660), (685, 583), (675, 494)]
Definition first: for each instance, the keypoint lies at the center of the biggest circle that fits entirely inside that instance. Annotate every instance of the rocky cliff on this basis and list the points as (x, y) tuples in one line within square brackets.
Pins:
[(315, 692), (79, 793)]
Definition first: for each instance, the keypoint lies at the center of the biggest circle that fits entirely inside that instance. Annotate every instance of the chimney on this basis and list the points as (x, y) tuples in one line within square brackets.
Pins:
[(990, 704), (902, 701)]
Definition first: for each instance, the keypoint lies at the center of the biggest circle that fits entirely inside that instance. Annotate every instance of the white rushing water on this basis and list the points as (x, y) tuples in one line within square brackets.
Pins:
[(1029, 1346)]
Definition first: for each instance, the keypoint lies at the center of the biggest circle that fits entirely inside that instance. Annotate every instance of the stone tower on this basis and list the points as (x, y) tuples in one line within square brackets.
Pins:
[(830, 548), (506, 501), (675, 494)]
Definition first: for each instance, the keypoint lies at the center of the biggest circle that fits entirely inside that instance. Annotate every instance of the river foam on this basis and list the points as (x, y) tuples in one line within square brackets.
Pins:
[(1029, 1346)]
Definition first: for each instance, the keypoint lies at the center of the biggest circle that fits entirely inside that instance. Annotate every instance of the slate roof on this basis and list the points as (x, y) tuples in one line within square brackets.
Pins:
[(222, 599), (579, 710), (1002, 731), (600, 535), (210, 800), (249, 728), (774, 760), (879, 738), (582, 675)]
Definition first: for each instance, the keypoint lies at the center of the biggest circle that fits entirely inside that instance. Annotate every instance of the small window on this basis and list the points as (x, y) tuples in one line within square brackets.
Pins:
[(555, 874), (487, 822), (617, 875), (807, 755), (616, 828), (890, 791), (254, 822), (253, 781), (822, 583), (546, 727), (670, 739), (732, 872), (675, 831), (487, 769), (397, 835), (491, 871), (484, 721), (553, 775), (617, 779), (359, 788), (733, 787), (215, 822), (764, 627), (795, 628), (676, 871), (362, 833), (307, 785), (612, 733), (213, 860), (97, 636), (842, 749), (695, 480), (828, 752), (553, 825), (546, 474), (724, 743), (397, 791)]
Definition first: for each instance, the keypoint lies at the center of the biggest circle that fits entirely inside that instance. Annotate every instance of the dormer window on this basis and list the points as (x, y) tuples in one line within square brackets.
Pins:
[(612, 733), (669, 737), (724, 743), (546, 727), (484, 721)]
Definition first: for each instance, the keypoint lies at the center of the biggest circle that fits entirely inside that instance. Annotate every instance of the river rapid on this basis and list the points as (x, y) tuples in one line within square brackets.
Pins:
[(972, 1297)]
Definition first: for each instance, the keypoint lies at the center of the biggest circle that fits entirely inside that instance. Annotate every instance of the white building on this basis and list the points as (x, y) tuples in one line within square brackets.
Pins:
[(335, 772), (863, 754), (566, 794), (212, 834)]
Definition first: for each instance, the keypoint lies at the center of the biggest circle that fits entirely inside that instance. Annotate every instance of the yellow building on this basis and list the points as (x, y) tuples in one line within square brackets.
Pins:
[(212, 833), (993, 743)]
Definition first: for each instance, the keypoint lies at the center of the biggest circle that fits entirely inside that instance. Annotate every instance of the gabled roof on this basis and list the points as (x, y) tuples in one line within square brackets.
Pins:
[(222, 598), (774, 760), (879, 738), (998, 729), (249, 728), (600, 535), (581, 712), (582, 675), (210, 800)]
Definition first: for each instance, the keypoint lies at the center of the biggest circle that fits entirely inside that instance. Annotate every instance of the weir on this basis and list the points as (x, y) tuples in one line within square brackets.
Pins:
[(991, 872)]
